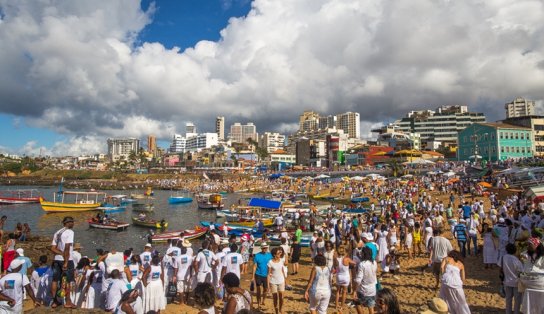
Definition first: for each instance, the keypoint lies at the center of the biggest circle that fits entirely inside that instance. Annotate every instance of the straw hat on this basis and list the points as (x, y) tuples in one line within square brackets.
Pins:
[(186, 243), (436, 306), (77, 246)]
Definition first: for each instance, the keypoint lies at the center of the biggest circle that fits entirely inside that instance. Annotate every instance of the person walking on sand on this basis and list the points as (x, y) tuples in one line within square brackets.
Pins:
[(277, 278), (365, 282), (440, 247), (343, 278), (511, 267), (318, 290), (453, 276), (260, 272)]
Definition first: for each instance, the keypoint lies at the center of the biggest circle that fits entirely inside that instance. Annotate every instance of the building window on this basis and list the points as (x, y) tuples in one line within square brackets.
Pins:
[(517, 135), (492, 136), (522, 136), (507, 149), (517, 150), (493, 149), (502, 149), (501, 135), (523, 150), (511, 135)]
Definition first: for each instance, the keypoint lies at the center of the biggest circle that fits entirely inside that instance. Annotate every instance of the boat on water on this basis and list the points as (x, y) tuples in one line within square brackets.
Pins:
[(234, 230), (73, 201), (113, 204), (108, 225), (268, 222), (156, 224), (360, 199), (179, 199), (147, 194), (187, 234), (143, 207), (210, 201), (11, 197)]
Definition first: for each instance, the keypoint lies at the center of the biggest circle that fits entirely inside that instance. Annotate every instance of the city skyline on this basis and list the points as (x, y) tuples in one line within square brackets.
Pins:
[(73, 75)]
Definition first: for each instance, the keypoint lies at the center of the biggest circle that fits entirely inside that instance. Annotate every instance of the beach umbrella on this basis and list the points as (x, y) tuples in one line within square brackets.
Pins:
[(453, 180), (449, 174), (322, 176), (357, 178)]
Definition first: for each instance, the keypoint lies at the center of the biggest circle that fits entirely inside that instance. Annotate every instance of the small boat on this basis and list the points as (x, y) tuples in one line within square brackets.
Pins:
[(179, 199), (304, 241), (11, 197), (109, 225), (210, 201), (269, 222), (113, 204), (157, 224), (188, 234), (355, 210), (73, 201)]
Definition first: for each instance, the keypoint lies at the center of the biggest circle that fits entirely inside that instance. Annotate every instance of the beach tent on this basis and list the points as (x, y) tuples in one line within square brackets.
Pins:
[(275, 176), (259, 202), (535, 191), (449, 174)]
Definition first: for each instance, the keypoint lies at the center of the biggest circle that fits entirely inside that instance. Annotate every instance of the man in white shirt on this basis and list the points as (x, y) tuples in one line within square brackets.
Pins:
[(204, 262), (116, 288), (232, 262), (146, 255), (184, 270), (220, 256), (11, 289), (63, 263)]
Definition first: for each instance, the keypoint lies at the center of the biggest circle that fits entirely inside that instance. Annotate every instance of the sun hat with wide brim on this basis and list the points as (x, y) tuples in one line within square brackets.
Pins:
[(436, 306)]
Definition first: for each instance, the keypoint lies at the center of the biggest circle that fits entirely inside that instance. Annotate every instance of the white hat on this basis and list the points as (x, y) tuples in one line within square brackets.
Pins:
[(501, 220), (186, 243), (148, 245), (264, 244), (20, 251), (16, 263), (224, 242)]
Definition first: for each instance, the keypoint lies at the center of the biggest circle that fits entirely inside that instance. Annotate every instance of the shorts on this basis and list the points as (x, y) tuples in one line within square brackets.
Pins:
[(183, 286), (319, 301), (204, 277), (369, 301), (436, 268), (261, 281), (58, 272), (275, 288)]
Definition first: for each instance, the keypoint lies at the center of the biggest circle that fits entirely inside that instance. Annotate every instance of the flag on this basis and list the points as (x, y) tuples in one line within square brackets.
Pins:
[(205, 176)]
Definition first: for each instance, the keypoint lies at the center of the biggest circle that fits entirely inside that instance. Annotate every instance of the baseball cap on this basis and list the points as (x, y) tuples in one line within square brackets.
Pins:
[(67, 219), (20, 251), (16, 263)]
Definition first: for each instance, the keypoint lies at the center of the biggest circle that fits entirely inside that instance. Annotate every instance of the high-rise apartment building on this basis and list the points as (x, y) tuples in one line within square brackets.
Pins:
[(152, 144), (349, 122), (122, 147), (272, 141), (520, 107), (239, 133), (190, 129), (179, 144), (220, 128), (442, 124)]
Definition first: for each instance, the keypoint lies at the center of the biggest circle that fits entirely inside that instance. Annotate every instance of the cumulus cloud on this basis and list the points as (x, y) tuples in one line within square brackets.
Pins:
[(78, 68)]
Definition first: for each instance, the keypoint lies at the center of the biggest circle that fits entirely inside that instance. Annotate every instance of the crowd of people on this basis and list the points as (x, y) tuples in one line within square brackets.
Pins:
[(428, 216)]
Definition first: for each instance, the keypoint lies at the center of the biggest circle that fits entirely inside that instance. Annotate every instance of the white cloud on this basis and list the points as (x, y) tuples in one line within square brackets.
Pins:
[(77, 68)]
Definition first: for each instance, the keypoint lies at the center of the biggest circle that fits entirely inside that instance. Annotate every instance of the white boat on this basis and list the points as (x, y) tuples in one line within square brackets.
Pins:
[(210, 201)]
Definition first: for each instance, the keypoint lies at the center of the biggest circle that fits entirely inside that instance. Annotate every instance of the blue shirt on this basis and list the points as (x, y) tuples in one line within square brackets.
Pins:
[(460, 230), (374, 249), (261, 261), (466, 211), (26, 265)]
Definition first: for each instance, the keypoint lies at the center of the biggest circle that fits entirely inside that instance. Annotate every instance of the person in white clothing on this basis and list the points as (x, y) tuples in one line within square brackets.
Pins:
[(11, 289), (184, 270), (204, 263), (116, 288), (233, 261), (63, 264), (276, 278), (153, 280), (318, 290), (365, 281), (146, 255), (511, 267)]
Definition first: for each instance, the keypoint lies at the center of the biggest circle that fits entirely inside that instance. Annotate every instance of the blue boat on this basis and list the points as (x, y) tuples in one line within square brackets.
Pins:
[(236, 230), (113, 204), (304, 240), (179, 199), (355, 211), (360, 199)]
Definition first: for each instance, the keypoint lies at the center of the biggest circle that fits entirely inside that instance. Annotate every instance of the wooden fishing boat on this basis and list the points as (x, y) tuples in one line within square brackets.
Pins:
[(269, 222), (113, 204), (179, 199), (109, 225), (210, 201), (11, 197), (188, 234), (73, 201), (156, 224), (143, 207)]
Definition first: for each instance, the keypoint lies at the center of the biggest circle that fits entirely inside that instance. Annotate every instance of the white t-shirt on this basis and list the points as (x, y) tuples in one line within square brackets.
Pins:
[(11, 285), (366, 278), (183, 264), (232, 263), (220, 256), (276, 272), (116, 289), (146, 258), (176, 251), (205, 260), (61, 238), (76, 256)]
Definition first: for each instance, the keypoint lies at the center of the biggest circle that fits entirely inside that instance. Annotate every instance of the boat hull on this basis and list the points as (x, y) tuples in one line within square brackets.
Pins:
[(111, 226), (15, 200), (266, 223), (149, 224), (175, 235), (207, 205), (53, 207), (179, 200)]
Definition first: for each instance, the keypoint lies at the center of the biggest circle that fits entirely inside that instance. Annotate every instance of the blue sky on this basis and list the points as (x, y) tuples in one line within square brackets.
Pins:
[(180, 23)]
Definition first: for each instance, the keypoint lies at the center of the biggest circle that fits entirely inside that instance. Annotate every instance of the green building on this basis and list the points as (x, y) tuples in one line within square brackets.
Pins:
[(494, 141)]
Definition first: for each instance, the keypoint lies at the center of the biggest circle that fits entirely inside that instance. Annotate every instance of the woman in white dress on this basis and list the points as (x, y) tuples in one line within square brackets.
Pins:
[(318, 290), (153, 280), (136, 272), (453, 276), (382, 245), (343, 278), (490, 248), (329, 254), (237, 298)]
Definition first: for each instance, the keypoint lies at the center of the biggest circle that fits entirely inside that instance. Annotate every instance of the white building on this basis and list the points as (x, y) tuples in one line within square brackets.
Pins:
[(239, 133), (190, 129), (122, 147), (349, 122), (520, 107), (201, 141), (179, 144), (272, 141)]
